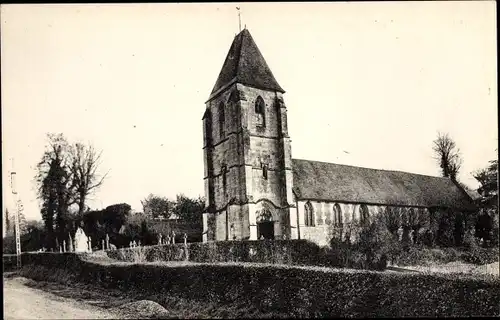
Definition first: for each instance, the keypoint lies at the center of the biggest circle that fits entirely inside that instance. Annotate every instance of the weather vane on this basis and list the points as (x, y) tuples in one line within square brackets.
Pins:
[(239, 17)]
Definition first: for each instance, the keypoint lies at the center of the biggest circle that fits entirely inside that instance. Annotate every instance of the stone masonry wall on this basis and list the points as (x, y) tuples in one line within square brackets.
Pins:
[(324, 219)]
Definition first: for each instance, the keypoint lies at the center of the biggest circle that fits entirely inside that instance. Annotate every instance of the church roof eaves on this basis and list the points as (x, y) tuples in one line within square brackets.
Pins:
[(315, 180)]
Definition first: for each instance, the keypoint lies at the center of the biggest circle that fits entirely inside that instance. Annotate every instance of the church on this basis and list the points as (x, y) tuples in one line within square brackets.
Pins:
[(254, 188)]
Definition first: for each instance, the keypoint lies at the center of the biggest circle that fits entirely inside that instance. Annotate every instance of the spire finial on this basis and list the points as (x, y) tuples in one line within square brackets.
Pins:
[(239, 17)]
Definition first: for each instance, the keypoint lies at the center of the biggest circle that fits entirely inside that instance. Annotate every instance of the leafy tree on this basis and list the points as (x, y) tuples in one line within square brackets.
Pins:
[(488, 178), (189, 210), (487, 222), (448, 155), (154, 206), (115, 216), (56, 187), (65, 176)]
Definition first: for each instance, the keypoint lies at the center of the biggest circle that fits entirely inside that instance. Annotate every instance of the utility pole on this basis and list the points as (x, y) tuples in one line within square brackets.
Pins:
[(18, 209)]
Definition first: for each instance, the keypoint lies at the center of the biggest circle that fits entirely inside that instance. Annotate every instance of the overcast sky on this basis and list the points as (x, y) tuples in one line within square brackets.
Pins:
[(367, 84)]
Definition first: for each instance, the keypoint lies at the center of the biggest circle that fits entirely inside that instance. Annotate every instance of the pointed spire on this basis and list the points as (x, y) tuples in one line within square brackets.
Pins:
[(245, 64)]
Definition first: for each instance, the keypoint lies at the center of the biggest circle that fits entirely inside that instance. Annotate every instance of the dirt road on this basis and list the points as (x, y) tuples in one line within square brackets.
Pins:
[(23, 302)]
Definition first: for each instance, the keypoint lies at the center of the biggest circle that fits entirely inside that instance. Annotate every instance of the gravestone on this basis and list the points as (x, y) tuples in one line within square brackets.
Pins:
[(82, 242), (64, 245), (90, 244), (185, 239), (173, 237), (107, 241), (70, 242)]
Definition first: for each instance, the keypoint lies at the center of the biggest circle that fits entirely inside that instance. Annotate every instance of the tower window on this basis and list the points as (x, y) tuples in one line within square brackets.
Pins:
[(264, 171), (222, 120), (260, 106), (224, 178)]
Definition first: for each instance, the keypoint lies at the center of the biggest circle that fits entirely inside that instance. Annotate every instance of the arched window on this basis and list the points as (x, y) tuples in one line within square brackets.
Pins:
[(224, 178), (338, 215), (264, 171), (260, 106), (308, 214), (363, 213), (222, 120), (208, 127)]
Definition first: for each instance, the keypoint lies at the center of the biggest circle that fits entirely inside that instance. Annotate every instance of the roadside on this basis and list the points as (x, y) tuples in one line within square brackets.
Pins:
[(24, 302), (452, 267)]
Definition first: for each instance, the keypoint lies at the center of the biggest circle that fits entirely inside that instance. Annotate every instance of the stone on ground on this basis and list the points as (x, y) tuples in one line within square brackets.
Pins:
[(142, 309)]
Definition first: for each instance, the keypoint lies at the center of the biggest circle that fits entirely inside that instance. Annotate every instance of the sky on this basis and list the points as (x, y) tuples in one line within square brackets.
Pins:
[(367, 84)]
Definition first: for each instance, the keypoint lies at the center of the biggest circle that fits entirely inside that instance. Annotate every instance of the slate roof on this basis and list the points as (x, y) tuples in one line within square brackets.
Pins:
[(316, 180), (245, 64)]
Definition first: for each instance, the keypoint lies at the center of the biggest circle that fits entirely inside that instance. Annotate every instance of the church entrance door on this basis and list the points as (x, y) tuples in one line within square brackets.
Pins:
[(265, 229)]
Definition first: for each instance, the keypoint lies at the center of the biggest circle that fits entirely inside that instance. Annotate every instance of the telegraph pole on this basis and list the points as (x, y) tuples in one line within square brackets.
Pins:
[(18, 209)]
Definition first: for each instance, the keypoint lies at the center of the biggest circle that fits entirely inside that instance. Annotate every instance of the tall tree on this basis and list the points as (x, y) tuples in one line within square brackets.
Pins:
[(154, 206), (448, 155), (56, 186), (488, 178), (189, 210), (487, 222), (85, 162)]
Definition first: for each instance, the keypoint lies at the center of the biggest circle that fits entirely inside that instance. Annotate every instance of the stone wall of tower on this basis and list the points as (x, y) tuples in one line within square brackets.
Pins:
[(244, 149), (262, 147), (226, 150)]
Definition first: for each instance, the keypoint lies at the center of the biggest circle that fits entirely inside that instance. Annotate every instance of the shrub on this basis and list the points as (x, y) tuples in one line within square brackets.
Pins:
[(481, 255), (292, 291), (299, 252), (374, 246)]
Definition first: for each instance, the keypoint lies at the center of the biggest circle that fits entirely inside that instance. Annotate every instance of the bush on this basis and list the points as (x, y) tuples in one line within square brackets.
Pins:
[(372, 250), (481, 255), (299, 252), (292, 291)]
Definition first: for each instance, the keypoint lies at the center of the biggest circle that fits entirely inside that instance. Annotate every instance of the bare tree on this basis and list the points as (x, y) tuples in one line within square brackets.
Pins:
[(448, 155), (85, 162)]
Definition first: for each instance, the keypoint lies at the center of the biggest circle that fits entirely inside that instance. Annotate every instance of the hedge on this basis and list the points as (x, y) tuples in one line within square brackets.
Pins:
[(294, 291), (9, 262), (301, 252)]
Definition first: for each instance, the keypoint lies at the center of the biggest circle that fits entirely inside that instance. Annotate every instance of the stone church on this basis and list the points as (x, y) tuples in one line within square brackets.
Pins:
[(255, 189)]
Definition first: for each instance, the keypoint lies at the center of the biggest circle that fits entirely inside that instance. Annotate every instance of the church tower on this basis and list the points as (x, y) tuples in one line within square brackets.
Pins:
[(247, 152)]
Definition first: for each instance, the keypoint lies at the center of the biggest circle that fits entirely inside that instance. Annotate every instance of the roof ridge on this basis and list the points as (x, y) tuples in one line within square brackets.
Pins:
[(375, 169)]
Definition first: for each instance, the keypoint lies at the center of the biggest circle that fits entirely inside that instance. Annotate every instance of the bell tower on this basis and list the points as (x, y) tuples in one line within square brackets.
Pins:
[(247, 152)]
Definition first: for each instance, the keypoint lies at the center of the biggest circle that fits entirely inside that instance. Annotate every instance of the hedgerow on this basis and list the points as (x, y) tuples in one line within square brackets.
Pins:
[(299, 252), (295, 291)]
